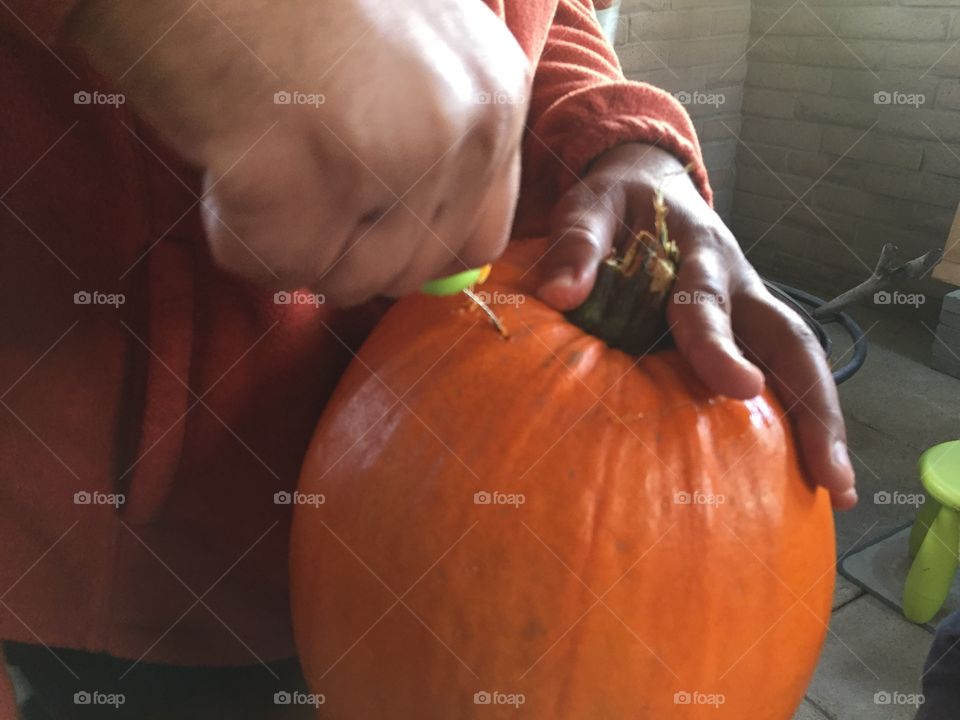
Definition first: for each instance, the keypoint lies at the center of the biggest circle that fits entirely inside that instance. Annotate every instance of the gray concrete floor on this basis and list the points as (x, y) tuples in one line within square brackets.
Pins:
[(895, 407)]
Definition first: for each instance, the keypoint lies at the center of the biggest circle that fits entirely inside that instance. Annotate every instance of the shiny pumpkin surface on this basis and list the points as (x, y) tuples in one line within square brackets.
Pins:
[(555, 527)]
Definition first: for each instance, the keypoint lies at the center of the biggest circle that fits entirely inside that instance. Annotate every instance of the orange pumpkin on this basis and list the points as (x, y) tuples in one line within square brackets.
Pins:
[(544, 527)]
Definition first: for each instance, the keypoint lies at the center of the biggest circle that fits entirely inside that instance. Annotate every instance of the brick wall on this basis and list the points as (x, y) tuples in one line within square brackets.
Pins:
[(695, 49), (803, 118), (853, 107)]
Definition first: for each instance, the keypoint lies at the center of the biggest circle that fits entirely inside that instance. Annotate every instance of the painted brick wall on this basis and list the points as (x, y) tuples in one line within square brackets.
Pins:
[(854, 107), (695, 49)]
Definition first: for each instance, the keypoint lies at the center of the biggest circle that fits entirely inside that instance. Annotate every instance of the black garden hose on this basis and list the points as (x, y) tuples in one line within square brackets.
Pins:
[(802, 303)]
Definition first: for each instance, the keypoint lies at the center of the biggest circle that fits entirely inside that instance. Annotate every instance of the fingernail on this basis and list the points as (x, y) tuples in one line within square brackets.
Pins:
[(557, 284), (847, 499), (561, 275), (841, 458)]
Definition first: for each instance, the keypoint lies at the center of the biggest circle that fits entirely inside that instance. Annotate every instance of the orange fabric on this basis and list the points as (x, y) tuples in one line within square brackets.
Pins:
[(196, 397), (582, 105)]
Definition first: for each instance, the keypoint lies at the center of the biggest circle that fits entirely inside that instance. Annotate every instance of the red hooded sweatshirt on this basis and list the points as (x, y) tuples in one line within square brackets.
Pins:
[(195, 398)]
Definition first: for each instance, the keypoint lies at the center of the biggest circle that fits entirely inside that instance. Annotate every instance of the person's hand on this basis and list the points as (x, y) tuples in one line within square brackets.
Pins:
[(390, 157), (726, 342)]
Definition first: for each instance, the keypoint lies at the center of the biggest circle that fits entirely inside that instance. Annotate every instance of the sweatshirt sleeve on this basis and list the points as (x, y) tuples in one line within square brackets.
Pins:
[(581, 105)]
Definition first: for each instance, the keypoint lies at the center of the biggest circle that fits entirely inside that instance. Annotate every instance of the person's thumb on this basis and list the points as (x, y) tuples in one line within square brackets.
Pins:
[(583, 229)]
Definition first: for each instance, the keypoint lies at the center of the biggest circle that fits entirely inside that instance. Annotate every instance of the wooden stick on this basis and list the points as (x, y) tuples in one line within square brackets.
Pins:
[(887, 274)]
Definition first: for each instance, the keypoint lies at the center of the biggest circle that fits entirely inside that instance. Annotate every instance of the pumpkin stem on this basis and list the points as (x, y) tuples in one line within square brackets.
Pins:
[(626, 307)]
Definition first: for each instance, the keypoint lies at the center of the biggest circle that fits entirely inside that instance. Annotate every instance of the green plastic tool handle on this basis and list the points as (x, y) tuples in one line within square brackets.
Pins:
[(452, 284)]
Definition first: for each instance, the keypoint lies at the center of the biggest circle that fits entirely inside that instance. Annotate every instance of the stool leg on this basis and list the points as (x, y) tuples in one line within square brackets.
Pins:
[(932, 571), (925, 517)]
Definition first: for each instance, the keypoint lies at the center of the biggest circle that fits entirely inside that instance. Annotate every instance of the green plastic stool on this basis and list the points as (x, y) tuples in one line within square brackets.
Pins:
[(935, 537)]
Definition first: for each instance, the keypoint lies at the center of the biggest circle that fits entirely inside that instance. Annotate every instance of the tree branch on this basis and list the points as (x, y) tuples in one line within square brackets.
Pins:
[(887, 274)]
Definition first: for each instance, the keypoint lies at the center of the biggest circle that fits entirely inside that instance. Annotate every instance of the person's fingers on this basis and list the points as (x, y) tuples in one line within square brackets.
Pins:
[(409, 244), (699, 315), (799, 374), (584, 227), (494, 217), (470, 227), (257, 216), (371, 259), (467, 236)]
